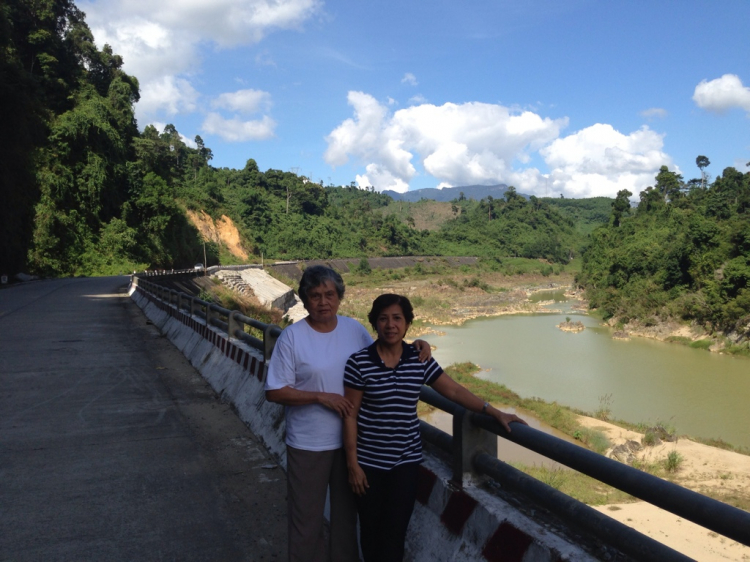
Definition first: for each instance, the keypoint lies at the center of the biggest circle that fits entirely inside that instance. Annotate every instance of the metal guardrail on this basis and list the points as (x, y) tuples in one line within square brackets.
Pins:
[(470, 458), (231, 322), (473, 450)]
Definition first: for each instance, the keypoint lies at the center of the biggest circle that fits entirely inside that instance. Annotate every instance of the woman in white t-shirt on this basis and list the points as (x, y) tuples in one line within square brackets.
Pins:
[(306, 374)]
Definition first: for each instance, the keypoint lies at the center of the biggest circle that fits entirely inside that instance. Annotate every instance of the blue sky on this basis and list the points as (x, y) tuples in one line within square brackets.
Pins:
[(578, 97)]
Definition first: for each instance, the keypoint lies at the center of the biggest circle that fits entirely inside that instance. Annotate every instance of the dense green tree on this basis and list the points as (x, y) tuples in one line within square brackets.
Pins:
[(683, 258)]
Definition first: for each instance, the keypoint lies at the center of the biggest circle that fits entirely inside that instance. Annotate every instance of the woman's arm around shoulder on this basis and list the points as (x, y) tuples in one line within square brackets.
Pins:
[(424, 349)]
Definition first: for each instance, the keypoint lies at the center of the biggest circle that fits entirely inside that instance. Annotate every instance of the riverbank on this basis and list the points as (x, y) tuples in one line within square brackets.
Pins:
[(721, 474), (678, 332), (717, 473), (454, 297)]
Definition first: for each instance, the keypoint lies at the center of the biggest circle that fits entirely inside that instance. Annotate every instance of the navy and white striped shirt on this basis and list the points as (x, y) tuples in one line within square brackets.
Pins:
[(387, 425)]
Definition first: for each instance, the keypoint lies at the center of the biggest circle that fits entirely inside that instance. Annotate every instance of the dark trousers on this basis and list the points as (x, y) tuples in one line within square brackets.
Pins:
[(385, 510)]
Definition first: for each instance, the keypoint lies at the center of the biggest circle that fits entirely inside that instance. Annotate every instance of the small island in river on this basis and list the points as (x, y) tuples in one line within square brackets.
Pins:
[(568, 326)]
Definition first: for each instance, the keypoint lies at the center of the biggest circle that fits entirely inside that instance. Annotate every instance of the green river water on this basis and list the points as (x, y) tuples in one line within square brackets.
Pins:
[(697, 392)]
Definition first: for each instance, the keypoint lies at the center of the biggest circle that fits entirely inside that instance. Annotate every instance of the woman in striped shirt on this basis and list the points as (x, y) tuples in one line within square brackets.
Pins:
[(381, 434)]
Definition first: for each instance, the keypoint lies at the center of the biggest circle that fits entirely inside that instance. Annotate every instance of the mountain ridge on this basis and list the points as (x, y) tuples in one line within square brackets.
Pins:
[(475, 192)]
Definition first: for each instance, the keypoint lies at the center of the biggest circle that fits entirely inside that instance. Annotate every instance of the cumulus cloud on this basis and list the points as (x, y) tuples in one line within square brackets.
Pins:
[(458, 144), (722, 94), (243, 101), (237, 130), (410, 79), (159, 41), (600, 161), (480, 143)]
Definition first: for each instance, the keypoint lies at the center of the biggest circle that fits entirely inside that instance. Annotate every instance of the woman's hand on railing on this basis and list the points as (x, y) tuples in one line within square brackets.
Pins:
[(504, 418)]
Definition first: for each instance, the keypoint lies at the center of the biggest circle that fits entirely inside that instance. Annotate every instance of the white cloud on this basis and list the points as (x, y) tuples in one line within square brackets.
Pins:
[(237, 130), (159, 41), (410, 79), (722, 94), (169, 95), (654, 113), (600, 161), (243, 101), (479, 143), (189, 142)]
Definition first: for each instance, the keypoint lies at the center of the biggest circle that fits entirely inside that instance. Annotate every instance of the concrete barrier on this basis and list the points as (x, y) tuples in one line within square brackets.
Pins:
[(449, 523)]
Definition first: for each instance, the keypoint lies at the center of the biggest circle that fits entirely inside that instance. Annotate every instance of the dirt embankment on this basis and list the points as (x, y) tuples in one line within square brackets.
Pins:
[(222, 232), (454, 298)]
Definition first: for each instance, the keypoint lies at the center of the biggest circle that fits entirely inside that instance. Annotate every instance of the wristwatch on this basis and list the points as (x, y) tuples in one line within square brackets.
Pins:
[(484, 408)]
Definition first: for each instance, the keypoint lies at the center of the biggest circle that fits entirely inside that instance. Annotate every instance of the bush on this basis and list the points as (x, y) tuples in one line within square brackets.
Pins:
[(364, 267), (649, 439), (673, 461)]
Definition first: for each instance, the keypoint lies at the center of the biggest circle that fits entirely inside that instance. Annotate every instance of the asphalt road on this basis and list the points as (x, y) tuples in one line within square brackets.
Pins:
[(112, 447)]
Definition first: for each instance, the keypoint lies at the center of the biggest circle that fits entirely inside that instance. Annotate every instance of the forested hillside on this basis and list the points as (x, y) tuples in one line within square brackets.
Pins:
[(81, 188), (684, 253)]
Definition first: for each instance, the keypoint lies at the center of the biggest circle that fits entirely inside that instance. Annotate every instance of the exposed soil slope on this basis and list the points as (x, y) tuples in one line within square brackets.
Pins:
[(222, 231)]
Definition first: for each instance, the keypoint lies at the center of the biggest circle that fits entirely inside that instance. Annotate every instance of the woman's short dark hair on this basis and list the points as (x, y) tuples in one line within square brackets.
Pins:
[(315, 276), (386, 300)]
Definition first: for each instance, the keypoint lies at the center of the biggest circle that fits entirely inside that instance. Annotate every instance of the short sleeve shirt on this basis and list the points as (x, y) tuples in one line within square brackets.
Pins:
[(313, 361), (387, 424)]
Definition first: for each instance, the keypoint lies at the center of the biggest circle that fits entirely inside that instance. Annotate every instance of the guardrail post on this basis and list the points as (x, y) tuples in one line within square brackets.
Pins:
[(210, 313), (235, 324), (179, 301), (468, 442), (192, 306), (269, 341)]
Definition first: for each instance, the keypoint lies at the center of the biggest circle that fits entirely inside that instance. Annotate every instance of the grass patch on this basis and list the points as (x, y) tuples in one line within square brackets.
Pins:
[(679, 339), (575, 484), (593, 439), (553, 414)]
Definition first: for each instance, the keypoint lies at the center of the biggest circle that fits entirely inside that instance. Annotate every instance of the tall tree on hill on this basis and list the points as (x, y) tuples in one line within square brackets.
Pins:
[(620, 206), (702, 162)]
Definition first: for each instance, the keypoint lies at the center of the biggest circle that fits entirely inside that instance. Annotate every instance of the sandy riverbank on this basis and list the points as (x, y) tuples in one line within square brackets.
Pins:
[(704, 469)]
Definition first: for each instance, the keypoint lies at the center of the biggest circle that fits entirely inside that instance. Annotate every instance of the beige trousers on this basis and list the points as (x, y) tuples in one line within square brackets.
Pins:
[(310, 474)]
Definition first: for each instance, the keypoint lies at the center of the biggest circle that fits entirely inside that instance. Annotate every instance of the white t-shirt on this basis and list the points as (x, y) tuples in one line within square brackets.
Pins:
[(313, 361)]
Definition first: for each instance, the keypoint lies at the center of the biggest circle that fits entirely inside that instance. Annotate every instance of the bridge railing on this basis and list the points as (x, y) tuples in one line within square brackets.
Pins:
[(473, 452), (473, 449), (230, 322)]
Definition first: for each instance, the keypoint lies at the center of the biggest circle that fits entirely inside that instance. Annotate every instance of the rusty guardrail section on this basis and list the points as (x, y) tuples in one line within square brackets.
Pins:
[(473, 453)]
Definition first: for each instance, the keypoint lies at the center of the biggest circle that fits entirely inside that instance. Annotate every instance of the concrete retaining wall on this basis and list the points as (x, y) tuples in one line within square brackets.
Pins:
[(448, 523)]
